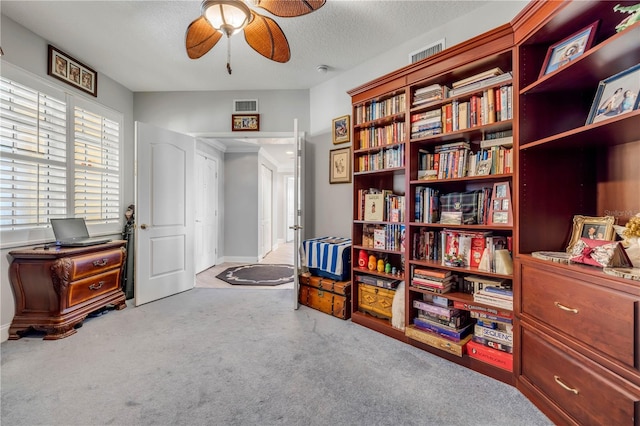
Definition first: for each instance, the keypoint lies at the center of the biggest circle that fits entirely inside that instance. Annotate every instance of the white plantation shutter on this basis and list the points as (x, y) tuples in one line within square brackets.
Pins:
[(97, 167), (59, 157), (34, 154)]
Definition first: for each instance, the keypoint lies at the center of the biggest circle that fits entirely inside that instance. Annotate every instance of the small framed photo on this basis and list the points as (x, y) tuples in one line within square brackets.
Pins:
[(71, 71), (568, 49), (616, 95), (593, 228), (340, 165), (245, 122), (341, 129)]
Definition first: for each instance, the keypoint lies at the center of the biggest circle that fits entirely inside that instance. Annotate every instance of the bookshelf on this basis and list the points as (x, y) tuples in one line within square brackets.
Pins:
[(578, 327), (405, 111)]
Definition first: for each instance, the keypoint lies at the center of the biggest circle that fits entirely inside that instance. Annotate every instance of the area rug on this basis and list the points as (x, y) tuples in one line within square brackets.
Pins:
[(257, 274)]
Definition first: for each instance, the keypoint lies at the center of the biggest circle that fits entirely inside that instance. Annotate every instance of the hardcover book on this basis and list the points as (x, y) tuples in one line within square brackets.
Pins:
[(374, 207)]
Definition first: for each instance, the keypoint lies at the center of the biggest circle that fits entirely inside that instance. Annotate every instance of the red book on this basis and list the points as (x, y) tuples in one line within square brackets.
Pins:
[(477, 248), (489, 355)]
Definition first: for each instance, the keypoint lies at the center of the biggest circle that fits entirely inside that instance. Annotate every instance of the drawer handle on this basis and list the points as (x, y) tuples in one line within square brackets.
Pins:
[(565, 308), (96, 286), (565, 387), (101, 262)]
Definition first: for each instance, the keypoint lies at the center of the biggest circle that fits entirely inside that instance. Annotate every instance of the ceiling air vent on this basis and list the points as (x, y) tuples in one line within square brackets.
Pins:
[(243, 106), (427, 51)]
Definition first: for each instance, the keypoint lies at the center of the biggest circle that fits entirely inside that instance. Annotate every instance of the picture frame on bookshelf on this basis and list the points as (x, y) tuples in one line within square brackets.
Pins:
[(340, 165), (568, 49), (341, 129), (616, 95), (71, 71), (593, 228)]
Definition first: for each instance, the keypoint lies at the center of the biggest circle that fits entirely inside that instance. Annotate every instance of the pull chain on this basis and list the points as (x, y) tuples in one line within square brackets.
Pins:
[(229, 54)]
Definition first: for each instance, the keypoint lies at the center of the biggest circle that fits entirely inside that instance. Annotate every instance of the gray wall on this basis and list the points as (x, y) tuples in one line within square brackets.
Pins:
[(28, 51)]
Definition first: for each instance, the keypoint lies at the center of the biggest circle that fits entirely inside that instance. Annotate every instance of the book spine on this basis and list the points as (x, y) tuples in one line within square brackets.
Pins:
[(495, 335), (490, 356), (451, 334), (498, 303), (494, 345), (477, 308), (437, 310)]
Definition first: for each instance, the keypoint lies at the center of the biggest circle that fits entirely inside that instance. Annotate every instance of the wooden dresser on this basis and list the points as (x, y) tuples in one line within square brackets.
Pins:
[(56, 288)]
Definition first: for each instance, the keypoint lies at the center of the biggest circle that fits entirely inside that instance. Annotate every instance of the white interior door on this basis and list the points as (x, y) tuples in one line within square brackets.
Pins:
[(206, 213), (266, 222), (298, 201), (165, 223), (290, 207)]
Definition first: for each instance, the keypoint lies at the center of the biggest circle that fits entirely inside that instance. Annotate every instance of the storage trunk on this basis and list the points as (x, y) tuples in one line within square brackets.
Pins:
[(376, 301), (326, 295)]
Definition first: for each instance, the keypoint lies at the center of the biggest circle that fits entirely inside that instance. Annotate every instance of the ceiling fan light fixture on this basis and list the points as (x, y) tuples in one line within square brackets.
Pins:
[(226, 16)]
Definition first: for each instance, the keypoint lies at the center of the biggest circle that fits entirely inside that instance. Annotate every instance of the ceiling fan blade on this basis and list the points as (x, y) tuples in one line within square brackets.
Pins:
[(290, 8), (201, 37), (265, 36)]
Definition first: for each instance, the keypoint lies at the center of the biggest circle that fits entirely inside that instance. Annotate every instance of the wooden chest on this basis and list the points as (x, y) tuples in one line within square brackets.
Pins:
[(376, 301), (326, 295)]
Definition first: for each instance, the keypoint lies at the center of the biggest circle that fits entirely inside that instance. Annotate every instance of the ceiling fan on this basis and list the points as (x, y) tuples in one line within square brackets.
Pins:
[(262, 33)]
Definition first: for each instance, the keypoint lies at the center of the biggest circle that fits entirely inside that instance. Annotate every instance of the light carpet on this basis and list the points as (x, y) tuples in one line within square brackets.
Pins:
[(242, 357)]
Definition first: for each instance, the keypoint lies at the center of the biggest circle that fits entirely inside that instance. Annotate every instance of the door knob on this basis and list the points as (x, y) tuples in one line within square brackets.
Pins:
[(296, 227), (143, 226)]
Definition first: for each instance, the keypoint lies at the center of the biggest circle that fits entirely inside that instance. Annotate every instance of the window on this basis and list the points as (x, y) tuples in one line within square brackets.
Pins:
[(59, 157)]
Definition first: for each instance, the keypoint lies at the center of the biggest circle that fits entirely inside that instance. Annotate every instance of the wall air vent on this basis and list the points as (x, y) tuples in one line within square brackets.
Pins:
[(243, 106), (427, 51)]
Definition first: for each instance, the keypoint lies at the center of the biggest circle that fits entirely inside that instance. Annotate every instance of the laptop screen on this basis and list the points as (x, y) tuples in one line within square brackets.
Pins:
[(69, 228)]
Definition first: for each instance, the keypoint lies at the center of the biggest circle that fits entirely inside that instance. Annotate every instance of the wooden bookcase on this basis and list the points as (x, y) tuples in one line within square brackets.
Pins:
[(576, 350), (493, 49), (578, 327)]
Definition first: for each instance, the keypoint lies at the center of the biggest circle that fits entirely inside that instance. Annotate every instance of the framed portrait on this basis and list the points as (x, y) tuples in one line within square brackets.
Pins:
[(593, 228), (340, 165), (71, 71), (341, 129), (567, 50), (616, 95), (245, 122)]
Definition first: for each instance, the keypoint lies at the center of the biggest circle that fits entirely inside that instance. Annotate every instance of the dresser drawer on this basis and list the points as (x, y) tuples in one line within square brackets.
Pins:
[(88, 288), (600, 317), (91, 264), (586, 391)]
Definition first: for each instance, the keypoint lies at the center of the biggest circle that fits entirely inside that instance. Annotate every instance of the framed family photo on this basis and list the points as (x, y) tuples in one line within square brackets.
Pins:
[(71, 71), (568, 49), (593, 228), (341, 129), (616, 95), (245, 122), (340, 165)]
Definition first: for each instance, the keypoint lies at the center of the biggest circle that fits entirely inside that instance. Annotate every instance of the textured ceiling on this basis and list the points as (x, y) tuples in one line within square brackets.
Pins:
[(140, 44)]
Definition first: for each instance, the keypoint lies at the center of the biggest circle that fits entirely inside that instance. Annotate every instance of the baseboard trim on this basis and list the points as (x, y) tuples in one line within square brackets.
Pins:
[(4, 332)]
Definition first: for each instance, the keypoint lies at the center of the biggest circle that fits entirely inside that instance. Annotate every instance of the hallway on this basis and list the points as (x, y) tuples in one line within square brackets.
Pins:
[(282, 255)]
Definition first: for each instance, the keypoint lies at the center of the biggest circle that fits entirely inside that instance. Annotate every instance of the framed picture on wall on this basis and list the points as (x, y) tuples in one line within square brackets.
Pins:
[(245, 122), (71, 71), (341, 129), (340, 165)]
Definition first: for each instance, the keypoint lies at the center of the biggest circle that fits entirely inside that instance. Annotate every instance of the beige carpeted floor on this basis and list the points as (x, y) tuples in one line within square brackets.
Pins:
[(282, 255)]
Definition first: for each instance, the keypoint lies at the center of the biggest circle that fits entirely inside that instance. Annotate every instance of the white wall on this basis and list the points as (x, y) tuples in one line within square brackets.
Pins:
[(331, 100)]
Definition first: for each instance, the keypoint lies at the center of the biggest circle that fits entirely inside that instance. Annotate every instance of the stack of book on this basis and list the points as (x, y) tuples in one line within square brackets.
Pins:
[(486, 78), (432, 93), (444, 321), (426, 124), (499, 297), (378, 281), (433, 280)]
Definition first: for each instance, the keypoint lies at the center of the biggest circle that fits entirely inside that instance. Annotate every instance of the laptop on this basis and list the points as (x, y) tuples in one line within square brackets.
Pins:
[(72, 232)]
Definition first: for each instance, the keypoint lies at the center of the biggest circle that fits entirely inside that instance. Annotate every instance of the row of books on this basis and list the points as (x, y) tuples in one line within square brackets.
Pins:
[(492, 105), (384, 237), (430, 206), (380, 205), (437, 92), (378, 136), (386, 159), (379, 108), (473, 249)]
